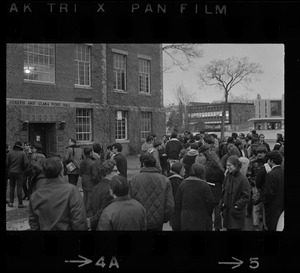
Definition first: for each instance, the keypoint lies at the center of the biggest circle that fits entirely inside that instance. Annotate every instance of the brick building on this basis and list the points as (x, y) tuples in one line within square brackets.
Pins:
[(92, 92)]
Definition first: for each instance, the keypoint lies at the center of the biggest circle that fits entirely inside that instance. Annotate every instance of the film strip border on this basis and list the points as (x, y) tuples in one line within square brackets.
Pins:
[(147, 251), (153, 21)]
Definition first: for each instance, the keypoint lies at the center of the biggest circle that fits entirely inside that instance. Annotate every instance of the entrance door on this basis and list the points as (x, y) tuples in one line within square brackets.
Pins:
[(44, 135)]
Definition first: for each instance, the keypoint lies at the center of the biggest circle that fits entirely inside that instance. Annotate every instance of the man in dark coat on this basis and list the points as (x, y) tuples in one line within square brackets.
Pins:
[(189, 158), (16, 164), (274, 190), (57, 205), (194, 202), (154, 191), (173, 148), (121, 161), (123, 213)]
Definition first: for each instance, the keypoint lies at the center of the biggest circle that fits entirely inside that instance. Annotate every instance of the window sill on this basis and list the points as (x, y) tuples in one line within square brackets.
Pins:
[(83, 87), (122, 140), (38, 82), (120, 91), (145, 94)]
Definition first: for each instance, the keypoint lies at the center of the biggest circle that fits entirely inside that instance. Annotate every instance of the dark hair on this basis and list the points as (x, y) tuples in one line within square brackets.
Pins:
[(276, 156), (149, 138), (197, 170), (38, 147), (73, 140), (230, 139), (234, 160), (174, 134), (176, 167), (148, 159), (197, 137), (234, 135), (52, 167), (87, 151), (97, 148), (118, 146), (194, 146), (208, 140), (119, 185)]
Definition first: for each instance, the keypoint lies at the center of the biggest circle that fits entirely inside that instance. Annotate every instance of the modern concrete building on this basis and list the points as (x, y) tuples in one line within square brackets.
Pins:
[(269, 116), (236, 116), (91, 92)]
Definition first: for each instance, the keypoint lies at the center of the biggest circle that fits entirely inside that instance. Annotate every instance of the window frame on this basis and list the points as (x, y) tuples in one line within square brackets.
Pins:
[(77, 66), (144, 75), (125, 125), (39, 63), (144, 124), (89, 123), (118, 71)]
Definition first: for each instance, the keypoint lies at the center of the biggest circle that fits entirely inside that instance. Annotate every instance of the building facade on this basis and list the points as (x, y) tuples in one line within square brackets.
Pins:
[(208, 116), (91, 92), (269, 116)]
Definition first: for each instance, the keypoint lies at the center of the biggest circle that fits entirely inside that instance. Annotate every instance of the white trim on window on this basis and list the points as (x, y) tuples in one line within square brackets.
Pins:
[(119, 51)]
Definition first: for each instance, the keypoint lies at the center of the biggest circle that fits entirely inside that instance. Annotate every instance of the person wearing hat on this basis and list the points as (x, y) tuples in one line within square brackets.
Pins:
[(16, 164), (274, 190), (73, 154), (235, 196), (189, 158)]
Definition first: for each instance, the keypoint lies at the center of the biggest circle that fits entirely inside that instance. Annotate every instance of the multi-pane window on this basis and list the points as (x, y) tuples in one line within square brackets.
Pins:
[(121, 125), (83, 65), (83, 124), (39, 62), (275, 108), (144, 76), (120, 72), (146, 124)]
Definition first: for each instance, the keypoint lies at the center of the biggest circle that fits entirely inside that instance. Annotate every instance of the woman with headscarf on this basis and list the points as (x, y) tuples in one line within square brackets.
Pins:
[(235, 195), (194, 202)]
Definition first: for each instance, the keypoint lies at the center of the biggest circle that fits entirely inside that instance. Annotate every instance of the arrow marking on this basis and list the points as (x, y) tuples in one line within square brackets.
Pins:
[(236, 264), (84, 262)]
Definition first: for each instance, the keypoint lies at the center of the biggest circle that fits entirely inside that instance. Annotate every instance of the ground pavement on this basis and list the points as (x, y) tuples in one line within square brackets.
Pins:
[(17, 219)]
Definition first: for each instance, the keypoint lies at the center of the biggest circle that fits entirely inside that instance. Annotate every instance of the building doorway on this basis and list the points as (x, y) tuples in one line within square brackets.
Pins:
[(43, 134)]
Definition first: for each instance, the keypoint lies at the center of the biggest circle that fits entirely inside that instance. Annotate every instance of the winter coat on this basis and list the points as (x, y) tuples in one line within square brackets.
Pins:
[(16, 161), (96, 177), (189, 160), (57, 205), (121, 163), (154, 191), (274, 197), (97, 201), (123, 213), (73, 154), (86, 173), (236, 192), (215, 176), (173, 148), (194, 205)]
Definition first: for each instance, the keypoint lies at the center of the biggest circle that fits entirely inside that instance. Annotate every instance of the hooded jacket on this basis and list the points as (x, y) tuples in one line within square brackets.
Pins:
[(188, 160), (154, 191)]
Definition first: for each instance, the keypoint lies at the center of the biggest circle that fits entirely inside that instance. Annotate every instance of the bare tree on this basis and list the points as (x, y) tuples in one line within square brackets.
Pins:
[(181, 55), (226, 74), (183, 97)]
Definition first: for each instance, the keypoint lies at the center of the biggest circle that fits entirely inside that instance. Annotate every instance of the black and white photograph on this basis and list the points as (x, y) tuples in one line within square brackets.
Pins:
[(162, 122)]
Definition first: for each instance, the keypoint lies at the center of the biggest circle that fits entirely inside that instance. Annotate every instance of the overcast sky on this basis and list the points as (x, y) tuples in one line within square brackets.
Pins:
[(270, 84)]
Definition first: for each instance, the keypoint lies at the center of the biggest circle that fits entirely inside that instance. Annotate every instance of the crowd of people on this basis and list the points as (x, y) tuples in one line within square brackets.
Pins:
[(194, 182)]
